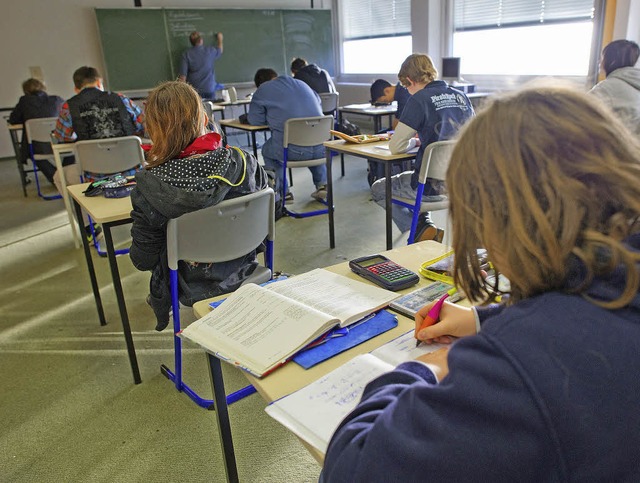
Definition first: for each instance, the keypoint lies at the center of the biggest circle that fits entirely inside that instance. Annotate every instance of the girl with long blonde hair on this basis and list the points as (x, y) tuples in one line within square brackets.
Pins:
[(187, 169)]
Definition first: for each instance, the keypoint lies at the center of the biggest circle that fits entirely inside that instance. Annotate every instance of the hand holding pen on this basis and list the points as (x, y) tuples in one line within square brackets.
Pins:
[(449, 322), (432, 316)]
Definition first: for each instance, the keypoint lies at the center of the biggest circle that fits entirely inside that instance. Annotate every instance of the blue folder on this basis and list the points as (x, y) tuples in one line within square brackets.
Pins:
[(339, 340)]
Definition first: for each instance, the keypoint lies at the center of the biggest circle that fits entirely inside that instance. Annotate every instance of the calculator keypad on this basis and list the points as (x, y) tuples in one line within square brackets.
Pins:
[(390, 271)]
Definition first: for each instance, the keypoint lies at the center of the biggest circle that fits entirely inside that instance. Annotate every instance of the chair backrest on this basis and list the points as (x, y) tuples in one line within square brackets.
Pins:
[(208, 108), (109, 156), (329, 101), (307, 131), (435, 160), (40, 129), (223, 232)]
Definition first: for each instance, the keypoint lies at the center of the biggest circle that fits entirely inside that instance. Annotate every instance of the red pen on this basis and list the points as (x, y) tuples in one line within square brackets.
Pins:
[(432, 316)]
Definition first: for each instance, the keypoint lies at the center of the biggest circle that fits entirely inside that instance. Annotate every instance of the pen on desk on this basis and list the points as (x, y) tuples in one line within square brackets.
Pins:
[(433, 315)]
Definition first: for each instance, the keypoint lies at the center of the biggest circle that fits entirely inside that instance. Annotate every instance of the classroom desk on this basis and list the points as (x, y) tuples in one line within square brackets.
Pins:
[(291, 377), (376, 112), (14, 131), (109, 212), (236, 124), (368, 151)]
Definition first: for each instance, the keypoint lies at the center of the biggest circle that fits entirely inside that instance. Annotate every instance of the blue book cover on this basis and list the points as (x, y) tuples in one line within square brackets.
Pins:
[(340, 339)]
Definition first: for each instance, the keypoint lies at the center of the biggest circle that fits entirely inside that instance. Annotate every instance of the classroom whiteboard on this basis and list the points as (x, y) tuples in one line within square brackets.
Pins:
[(143, 46)]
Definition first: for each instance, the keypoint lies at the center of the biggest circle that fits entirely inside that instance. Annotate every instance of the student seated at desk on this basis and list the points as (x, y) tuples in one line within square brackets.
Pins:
[(435, 112), (187, 169), (36, 104), (545, 387), (94, 114), (621, 88), (382, 92), (312, 75), (277, 100)]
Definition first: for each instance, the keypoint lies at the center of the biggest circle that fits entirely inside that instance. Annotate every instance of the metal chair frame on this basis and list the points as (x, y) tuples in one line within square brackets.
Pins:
[(435, 162)]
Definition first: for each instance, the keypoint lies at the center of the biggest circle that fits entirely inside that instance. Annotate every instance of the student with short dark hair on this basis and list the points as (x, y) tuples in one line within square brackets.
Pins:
[(94, 113), (621, 88), (36, 104), (435, 111), (384, 93), (312, 75), (544, 387), (187, 169), (277, 99), (197, 65)]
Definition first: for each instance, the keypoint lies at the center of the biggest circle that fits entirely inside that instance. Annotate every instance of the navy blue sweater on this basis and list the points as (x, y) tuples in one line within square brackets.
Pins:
[(549, 390)]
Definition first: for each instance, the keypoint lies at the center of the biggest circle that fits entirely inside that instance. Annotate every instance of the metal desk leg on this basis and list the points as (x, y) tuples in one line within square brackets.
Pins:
[(90, 267), (332, 236), (255, 144), (388, 204), (341, 154), (117, 285), (222, 415), (377, 124), (16, 150)]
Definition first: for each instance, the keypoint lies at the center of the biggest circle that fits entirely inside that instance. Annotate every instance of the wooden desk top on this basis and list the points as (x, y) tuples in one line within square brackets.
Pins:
[(14, 127), (236, 124), (101, 209), (62, 147), (291, 377), (367, 150)]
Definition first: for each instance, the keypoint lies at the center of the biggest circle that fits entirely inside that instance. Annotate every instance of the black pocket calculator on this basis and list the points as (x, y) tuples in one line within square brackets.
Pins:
[(384, 272)]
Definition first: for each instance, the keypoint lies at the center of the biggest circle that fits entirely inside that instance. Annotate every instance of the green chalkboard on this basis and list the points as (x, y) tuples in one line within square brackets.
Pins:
[(135, 47), (155, 39)]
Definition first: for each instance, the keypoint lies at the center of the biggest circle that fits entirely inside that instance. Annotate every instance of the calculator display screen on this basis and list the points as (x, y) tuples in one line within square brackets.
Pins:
[(371, 261)]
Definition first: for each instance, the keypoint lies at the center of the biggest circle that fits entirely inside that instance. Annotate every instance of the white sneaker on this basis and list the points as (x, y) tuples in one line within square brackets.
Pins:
[(320, 194)]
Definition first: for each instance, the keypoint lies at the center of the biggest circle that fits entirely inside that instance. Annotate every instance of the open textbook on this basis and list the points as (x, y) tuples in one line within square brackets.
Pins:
[(314, 412), (259, 328)]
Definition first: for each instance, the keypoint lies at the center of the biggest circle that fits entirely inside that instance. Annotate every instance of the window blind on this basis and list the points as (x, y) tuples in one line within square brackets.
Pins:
[(491, 14), (368, 19)]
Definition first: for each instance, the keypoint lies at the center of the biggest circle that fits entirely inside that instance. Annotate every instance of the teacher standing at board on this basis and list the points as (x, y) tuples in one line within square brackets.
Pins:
[(196, 66)]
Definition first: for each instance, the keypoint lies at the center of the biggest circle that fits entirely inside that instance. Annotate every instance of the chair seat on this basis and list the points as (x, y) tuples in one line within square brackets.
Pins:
[(306, 163), (260, 275), (39, 157)]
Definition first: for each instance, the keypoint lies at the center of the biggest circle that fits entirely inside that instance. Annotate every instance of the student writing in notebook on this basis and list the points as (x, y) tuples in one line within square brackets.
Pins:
[(187, 169), (546, 387)]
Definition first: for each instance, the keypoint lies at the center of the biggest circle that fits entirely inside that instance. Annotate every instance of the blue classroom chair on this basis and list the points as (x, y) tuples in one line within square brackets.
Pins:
[(435, 163), (246, 222), (39, 130)]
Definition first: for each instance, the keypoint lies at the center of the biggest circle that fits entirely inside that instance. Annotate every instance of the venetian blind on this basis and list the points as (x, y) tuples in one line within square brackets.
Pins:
[(491, 14), (368, 19)]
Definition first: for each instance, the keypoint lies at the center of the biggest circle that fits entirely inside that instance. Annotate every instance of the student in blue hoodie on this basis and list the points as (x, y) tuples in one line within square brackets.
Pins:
[(546, 386)]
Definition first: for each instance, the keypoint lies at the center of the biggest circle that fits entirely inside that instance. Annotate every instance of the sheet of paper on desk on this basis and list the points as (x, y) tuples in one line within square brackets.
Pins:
[(403, 349), (314, 412), (385, 147)]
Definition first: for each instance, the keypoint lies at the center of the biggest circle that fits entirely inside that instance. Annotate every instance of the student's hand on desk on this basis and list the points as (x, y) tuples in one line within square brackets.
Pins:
[(437, 362), (455, 321)]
